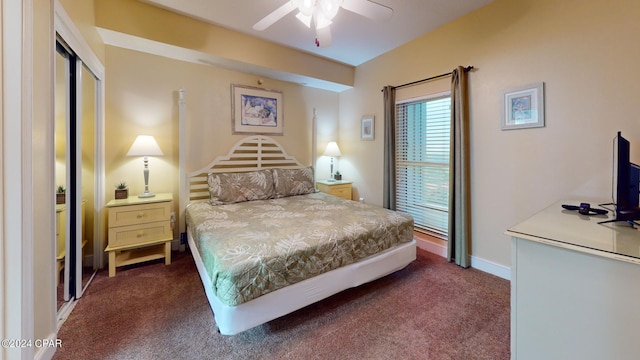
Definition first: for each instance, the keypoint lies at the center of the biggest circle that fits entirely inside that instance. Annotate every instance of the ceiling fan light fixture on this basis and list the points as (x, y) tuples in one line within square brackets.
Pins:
[(304, 19), (320, 20), (305, 6), (321, 14), (329, 8)]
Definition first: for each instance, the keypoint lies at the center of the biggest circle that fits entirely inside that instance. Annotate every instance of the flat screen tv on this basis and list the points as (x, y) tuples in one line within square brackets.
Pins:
[(627, 182)]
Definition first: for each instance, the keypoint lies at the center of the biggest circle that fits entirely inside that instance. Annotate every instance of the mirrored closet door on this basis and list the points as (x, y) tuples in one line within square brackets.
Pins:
[(61, 116), (75, 173), (88, 174)]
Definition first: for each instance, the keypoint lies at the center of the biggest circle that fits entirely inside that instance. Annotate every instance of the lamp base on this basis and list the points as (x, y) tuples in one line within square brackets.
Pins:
[(146, 195)]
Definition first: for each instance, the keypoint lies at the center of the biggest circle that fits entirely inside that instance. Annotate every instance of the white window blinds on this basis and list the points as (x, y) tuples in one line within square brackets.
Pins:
[(422, 161)]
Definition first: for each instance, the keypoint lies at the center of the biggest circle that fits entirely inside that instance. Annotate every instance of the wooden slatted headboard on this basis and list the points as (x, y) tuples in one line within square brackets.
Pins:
[(249, 154)]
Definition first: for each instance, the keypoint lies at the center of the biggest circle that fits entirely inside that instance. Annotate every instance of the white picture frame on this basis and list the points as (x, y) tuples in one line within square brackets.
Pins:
[(523, 107), (367, 127)]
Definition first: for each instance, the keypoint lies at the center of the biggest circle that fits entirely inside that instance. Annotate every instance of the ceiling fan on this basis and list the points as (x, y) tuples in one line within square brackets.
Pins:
[(321, 12)]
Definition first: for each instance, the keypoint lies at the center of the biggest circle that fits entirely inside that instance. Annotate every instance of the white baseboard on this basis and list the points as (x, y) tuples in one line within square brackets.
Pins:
[(476, 262), (431, 247), (87, 259), (46, 348), (491, 268)]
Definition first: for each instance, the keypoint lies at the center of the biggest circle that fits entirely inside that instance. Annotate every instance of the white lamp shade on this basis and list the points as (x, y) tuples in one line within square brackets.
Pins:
[(332, 150), (145, 145)]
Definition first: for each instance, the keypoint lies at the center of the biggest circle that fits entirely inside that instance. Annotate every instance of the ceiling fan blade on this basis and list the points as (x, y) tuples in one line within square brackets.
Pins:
[(323, 37), (276, 15), (369, 9)]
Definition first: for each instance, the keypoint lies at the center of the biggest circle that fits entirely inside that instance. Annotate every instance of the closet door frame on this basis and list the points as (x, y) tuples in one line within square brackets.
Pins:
[(71, 36)]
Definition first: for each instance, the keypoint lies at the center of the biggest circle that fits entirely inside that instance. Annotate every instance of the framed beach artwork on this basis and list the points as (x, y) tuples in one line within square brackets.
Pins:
[(256, 111), (523, 107), (367, 127)]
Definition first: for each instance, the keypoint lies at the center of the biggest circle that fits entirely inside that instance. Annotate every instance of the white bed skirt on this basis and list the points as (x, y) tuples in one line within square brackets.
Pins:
[(235, 319)]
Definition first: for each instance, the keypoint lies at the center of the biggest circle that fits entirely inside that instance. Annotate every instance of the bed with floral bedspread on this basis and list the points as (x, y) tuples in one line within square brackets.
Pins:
[(255, 247), (266, 243)]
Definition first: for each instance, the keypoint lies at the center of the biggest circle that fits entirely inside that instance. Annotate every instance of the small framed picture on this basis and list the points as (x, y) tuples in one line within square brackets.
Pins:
[(367, 127), (256, 111), (523, 107)]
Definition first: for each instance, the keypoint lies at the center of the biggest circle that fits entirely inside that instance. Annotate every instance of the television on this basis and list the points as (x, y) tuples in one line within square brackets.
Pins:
[(627, 183)]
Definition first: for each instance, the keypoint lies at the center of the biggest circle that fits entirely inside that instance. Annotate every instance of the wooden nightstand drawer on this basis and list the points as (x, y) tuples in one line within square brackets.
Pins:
[(136, 235), (341, 189), (139, 214)]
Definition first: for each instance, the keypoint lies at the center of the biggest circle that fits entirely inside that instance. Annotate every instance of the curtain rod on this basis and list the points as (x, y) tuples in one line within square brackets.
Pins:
[(468, 68)]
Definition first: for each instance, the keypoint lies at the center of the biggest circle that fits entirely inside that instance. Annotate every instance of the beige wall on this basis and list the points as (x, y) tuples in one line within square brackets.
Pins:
[(142, 98), (583, 51)]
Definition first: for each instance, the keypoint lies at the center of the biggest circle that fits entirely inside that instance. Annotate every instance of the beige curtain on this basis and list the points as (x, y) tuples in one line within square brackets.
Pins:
[(389, 165), (459, 242)]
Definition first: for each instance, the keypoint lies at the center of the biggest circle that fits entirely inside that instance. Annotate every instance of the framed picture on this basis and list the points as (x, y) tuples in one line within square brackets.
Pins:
[(256, 111), (367, 127), (523, 107)]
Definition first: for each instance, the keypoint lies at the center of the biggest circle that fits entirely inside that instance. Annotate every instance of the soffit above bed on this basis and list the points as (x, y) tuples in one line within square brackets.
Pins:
[(126, 41), (141, 27)]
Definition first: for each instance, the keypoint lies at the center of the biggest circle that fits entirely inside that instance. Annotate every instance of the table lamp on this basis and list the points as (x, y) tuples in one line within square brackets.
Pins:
[(332, 150), (145, 145)]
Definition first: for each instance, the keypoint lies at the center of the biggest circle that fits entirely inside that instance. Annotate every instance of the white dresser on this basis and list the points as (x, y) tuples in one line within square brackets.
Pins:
[(575, 287)]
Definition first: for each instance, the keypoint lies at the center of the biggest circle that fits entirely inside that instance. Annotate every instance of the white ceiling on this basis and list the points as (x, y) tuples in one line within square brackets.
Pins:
[(356, 39)]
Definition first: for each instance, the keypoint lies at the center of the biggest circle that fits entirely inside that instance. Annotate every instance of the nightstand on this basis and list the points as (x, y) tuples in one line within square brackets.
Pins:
[(139, 230), (339, 188)]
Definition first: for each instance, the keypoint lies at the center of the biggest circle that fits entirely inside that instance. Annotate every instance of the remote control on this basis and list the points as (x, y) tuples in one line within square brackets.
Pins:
[(585, 209)]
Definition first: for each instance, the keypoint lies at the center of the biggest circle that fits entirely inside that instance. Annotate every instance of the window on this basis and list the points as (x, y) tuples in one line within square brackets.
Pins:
[(422, 161)]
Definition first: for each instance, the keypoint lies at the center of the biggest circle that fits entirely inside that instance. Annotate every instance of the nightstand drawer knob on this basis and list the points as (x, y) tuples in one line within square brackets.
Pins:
[(141, 234), (140, 215)]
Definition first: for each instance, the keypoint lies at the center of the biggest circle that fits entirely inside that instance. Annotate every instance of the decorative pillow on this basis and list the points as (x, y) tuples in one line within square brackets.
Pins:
[(229, 188), (289, 182)]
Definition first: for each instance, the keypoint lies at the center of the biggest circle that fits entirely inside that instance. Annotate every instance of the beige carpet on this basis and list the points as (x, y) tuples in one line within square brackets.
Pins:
[(430, 310)]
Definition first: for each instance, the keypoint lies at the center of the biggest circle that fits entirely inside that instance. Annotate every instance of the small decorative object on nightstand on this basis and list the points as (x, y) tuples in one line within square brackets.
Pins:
[(60, 195), (139, 230), (337, 176), (339, 188), (122, 191)]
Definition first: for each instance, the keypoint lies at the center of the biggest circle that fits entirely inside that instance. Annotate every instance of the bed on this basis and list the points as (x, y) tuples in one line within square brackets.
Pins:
[(266, 243)]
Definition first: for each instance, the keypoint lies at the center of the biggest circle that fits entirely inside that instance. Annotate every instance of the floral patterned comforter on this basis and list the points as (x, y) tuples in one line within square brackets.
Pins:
[(252, 248)]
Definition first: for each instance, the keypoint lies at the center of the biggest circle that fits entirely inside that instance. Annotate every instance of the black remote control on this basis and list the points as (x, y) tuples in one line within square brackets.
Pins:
[(585, 209)]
